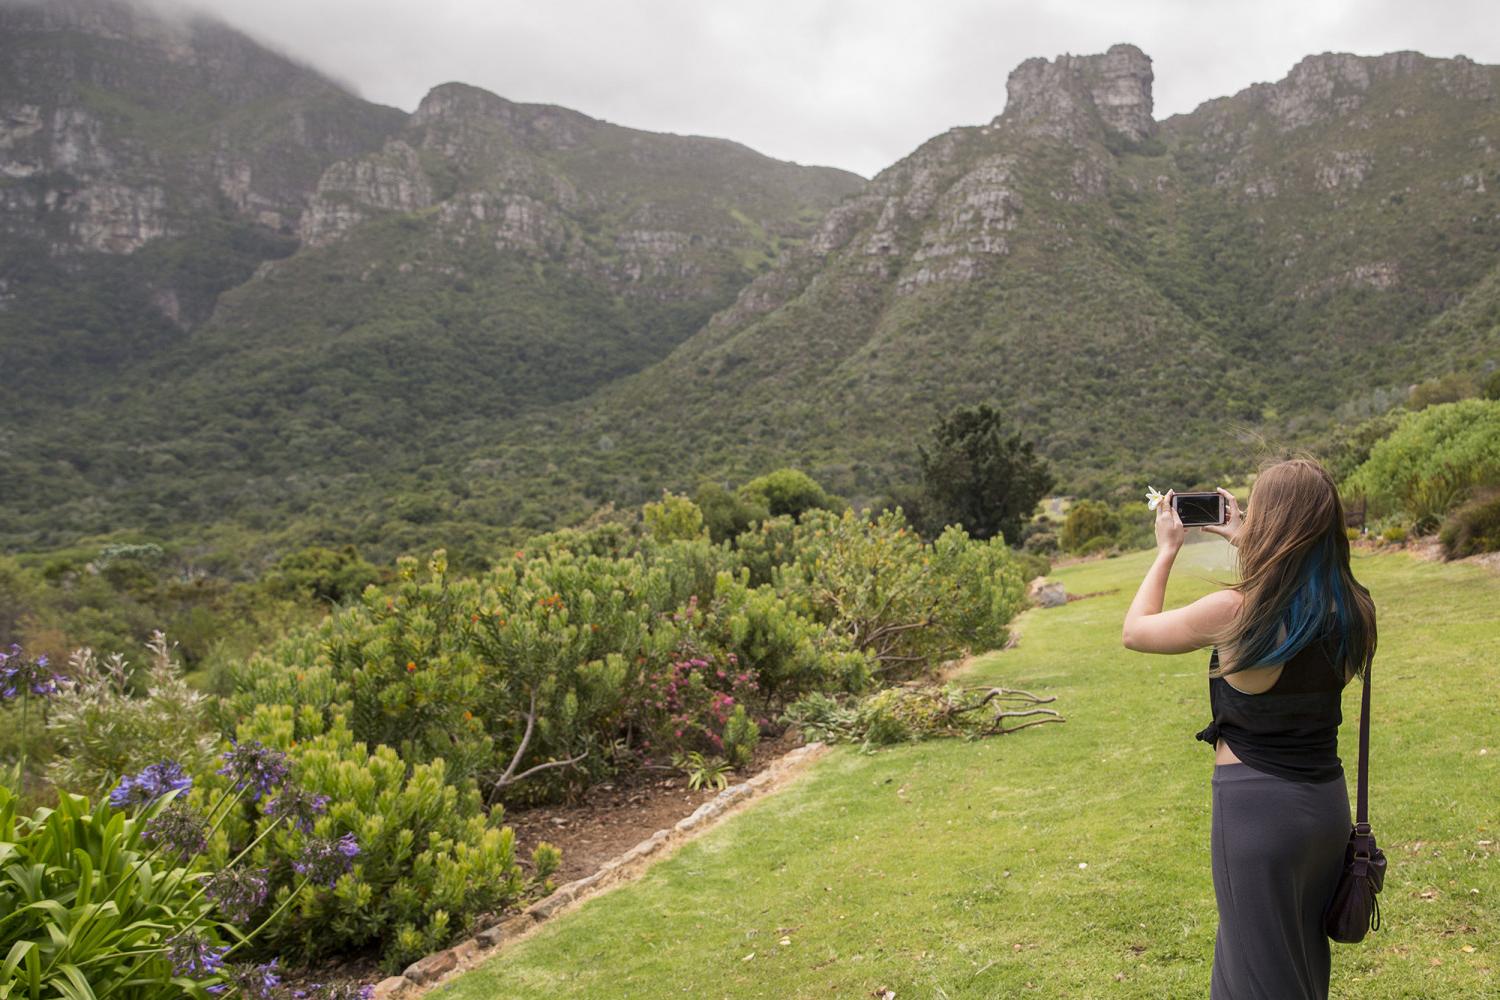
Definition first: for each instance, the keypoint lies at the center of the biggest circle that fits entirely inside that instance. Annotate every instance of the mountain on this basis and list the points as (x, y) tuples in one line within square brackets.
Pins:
[(225, 275), (1150, 301), (486, 317)]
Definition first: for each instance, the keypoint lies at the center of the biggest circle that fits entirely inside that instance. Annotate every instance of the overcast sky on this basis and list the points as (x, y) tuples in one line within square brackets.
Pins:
[(851, 83)]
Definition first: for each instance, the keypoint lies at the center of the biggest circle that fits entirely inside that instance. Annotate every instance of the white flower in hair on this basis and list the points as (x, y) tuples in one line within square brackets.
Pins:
[(1153, 498)]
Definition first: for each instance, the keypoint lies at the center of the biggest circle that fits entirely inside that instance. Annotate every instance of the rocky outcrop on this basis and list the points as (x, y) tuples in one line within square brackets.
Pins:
[(352, 191), (1069, 96), (130, 126)]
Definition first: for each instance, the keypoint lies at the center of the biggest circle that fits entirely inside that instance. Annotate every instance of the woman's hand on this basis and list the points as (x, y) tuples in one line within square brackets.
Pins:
[(1230, 530), (1169, 529)]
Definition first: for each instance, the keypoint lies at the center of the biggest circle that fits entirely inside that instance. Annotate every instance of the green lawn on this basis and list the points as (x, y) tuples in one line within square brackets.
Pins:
[(1066, 860)]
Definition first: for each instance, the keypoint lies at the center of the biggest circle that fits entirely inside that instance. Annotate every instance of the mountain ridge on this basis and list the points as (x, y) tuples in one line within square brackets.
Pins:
[(498, 316)]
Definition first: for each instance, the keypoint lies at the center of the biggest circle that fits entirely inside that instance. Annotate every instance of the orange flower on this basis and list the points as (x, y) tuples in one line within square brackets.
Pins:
[(520, 554), (473, 618), (468, 716), (411, 667)]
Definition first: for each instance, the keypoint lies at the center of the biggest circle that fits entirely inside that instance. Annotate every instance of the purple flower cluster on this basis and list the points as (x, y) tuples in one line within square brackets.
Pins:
[(255, 768), (151, 784), (324, 860), (297, 807), (253, 982), (239, 892), (194, 956), (177, 829), (20, 676)]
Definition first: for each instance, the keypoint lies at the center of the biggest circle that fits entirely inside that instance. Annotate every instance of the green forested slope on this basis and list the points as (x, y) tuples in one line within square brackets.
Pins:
[(498, 316)]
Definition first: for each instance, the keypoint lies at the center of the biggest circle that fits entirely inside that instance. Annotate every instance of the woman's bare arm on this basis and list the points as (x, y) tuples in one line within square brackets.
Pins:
[(1149, 629)]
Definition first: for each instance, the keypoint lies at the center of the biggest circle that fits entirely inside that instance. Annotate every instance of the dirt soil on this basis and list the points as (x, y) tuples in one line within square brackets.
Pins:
[(611, 818)]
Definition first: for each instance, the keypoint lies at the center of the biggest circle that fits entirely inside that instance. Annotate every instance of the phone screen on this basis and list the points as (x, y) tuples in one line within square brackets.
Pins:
[(1198, 508)]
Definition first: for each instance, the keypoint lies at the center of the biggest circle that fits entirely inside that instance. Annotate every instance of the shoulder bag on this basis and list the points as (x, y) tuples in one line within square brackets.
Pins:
[(1354, 910)]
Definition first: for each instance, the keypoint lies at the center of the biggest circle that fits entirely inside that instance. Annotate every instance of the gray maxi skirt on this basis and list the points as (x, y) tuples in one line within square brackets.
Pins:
[(1278, 850)]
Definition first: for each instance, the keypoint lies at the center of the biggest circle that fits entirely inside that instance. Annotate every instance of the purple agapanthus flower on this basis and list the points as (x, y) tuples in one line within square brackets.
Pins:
[(151, 784), (255, 768), (194, 956), (297, 807), (177, 829), (239, 892), (324, 860), (255, 982), (19, 675)]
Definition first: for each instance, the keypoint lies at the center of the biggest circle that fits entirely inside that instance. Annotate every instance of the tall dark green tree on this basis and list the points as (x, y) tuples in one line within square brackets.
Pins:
[(977, 475)]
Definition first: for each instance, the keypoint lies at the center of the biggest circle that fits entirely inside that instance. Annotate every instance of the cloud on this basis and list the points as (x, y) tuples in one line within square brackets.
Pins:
[(852, 83)]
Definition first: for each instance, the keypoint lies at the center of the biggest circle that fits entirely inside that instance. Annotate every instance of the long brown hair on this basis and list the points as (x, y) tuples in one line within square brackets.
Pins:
[(1295, 576)]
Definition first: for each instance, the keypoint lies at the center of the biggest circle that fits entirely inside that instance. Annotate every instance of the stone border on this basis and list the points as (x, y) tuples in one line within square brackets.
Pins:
[(425, 973)]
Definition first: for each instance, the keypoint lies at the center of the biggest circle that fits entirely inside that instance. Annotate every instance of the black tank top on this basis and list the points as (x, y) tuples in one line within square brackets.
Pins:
[(1291, 729)]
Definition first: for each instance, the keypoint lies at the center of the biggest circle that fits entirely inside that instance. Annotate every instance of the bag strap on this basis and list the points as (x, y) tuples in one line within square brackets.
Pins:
[(1362, 809)]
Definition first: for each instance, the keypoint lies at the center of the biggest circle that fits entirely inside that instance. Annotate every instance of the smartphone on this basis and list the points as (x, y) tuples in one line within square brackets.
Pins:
[(1198, 509)]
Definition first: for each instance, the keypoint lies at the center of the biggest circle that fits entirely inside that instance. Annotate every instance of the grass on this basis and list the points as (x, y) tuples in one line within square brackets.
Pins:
[(1071, 860)]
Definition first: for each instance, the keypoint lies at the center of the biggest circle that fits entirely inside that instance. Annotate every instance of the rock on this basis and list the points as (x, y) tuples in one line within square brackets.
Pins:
[(518, 924), (491, 937), (1045, 594), (392, 987), (760, 780), (432, 968), (544, 908), (1064, 97), (466, 949)]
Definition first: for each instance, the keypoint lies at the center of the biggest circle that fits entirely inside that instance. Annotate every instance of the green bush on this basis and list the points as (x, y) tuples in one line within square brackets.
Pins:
[(673, 517), (1431, 462), (727, 515), (432, 861), (1394, 535), (1086, 521), (1491, 387), (786, 492), (909, 605), (326, 575), (1032, 565), (1095, 545), (1472, 528), (1448, 388)]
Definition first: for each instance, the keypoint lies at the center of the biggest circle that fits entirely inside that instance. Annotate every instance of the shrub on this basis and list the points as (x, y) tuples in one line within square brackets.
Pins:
[(1032, 565), (1430, 462), (1472, 528), (673, 517), (1095, 545), (328, 575), (1086, 521), (1491, 387), (727, 515), (786, 492), (1394, 535), (1448, 388), (741, 736), (432, 858), (908, 605), (105, 729)]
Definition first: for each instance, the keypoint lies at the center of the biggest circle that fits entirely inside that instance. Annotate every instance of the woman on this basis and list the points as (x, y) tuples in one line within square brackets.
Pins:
[(1286, 638)]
